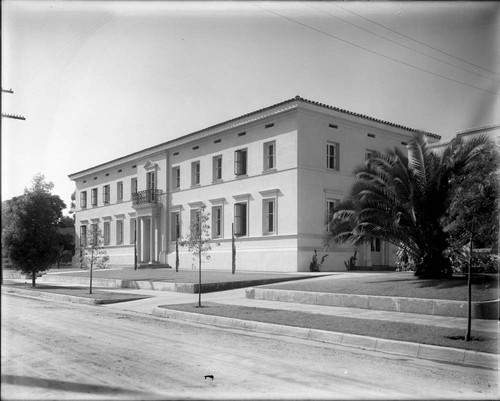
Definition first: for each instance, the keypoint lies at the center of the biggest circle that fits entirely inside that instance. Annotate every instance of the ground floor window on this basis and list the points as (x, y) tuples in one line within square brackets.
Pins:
[(175, 225), (217, 222), (240, 219), (269, 216), (133, 230), (106, 232), (119, 232)]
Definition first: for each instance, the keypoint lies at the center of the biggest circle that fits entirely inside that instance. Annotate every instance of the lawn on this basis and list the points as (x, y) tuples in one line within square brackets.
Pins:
[(400, 284), (100, 297), (184, 276), (440, 336)]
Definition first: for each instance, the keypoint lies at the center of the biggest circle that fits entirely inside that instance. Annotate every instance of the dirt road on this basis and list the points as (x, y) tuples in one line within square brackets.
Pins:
[(54, 350)]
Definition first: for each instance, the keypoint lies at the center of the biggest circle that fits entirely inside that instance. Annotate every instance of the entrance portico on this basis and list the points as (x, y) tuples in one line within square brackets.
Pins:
[(148, 226)]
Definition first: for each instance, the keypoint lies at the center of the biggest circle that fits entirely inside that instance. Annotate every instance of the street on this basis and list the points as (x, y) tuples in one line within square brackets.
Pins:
[(55, 350)]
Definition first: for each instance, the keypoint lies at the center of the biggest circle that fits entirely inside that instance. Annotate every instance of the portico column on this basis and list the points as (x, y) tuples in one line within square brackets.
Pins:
[(152, 240), (139, 239)]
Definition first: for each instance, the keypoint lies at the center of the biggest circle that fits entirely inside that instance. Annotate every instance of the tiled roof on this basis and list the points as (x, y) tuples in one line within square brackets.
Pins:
[(225, 124)]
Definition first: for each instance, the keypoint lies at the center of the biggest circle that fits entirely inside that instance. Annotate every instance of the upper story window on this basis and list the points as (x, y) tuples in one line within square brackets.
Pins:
[(195, 173), (93, 199), (119, 191), (240, 219), (217, 168), (176, 177), (270, 155), (133, 185), (105, 194), (332, 156), (83, 199), (240, 162), (151, 180)]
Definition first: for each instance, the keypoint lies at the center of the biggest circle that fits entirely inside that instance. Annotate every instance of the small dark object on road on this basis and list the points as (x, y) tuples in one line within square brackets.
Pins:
[(209, 376)]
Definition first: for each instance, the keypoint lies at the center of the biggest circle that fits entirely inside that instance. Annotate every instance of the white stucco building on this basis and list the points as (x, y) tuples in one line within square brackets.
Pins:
[(275, 173)]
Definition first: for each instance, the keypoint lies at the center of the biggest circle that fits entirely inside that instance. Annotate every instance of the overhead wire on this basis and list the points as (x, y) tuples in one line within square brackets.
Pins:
[(375, 52), (418, 41), (402, 45)]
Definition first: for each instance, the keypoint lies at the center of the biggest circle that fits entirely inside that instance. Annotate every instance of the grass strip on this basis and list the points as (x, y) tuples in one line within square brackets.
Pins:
[(400, 284), (441, 336), (82, 292)]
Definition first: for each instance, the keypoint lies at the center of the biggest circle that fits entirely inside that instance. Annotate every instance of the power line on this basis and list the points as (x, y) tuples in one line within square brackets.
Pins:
[(400, 44), (377, 53), (419, 42)]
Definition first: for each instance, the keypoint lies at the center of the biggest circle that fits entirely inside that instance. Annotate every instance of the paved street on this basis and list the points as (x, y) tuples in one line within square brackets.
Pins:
[(54, 350)]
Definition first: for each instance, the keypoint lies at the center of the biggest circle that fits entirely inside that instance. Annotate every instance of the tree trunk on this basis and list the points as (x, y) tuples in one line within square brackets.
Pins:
[(91, 265), (469, 296), (33, 278)]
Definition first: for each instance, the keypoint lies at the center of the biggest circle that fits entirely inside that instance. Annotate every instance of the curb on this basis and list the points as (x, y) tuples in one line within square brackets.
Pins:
[(58, 297), (415, 350)]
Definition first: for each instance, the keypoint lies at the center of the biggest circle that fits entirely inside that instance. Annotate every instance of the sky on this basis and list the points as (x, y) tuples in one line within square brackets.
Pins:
[(99, 80)]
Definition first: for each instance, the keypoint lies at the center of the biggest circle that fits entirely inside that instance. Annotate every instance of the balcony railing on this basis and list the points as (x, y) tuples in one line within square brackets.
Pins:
[(147, 196)]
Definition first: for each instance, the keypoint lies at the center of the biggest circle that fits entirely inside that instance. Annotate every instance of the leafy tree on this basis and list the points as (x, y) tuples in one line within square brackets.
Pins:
[(92, 251), (472, 214), (401, 199), (198, 241), (31, 236), (72, 207)]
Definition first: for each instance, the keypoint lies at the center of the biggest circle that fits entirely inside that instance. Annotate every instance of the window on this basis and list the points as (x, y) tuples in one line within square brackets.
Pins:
[(331, 204), (216, 221), (133, 186), (194, 216), (119, 232), (106, 232), (369, 154), (83, 235), (269, 155), (217, 168), (240, 162), (94, 197), (119, 191), (269, 215), (240, 219), (133, 228), (83, 199), (175, 225), (151, 186), (94, 229), (105, 194), (332, 159), (195, 173), (375, 244), (176, 177)]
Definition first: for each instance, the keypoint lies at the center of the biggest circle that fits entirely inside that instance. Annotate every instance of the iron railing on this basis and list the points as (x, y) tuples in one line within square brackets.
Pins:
[(147, 196)]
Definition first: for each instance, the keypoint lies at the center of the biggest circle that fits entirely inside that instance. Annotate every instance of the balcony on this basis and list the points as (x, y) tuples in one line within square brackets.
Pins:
[(147, 197)]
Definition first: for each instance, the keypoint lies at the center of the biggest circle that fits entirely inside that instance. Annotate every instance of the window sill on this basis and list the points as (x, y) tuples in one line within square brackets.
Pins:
[(195, 185), (217, 181), (269, 170), (240, 176)]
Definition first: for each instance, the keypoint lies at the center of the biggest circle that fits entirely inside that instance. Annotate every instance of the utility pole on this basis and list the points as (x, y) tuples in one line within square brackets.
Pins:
[(6, 115)]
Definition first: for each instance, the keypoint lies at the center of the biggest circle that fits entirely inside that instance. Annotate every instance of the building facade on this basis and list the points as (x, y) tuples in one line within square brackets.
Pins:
[(272, 176)]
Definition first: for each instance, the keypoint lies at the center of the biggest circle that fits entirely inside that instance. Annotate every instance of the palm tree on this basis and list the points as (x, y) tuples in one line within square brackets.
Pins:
[(401, 198)]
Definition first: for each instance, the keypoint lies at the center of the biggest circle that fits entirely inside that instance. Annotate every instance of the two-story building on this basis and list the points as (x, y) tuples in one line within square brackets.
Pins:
[(272, 176)]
